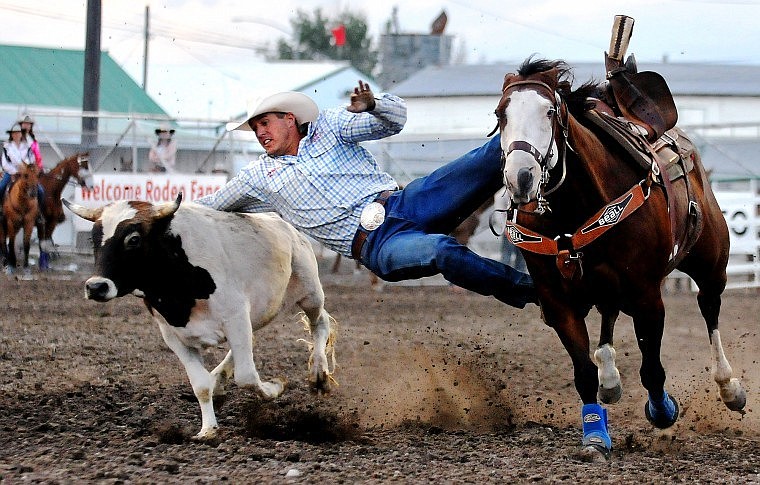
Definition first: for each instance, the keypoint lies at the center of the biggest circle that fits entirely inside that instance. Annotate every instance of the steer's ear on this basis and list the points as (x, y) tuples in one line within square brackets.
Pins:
[(87, 213), (167, 209)]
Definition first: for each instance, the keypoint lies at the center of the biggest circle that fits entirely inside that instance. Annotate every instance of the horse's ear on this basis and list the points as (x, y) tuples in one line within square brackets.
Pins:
[(508, 80), (86, 213), (550, 77), (564, 87)]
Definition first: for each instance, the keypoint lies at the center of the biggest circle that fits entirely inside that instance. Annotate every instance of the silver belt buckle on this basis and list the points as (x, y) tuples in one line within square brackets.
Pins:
[(372, 216)]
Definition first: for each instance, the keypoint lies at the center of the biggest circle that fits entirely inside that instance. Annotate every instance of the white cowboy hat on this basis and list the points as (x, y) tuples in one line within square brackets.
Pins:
[(16, 127), (303, 108)]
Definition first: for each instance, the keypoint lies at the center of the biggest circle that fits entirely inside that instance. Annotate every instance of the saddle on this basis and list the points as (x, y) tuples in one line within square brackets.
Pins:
[(671, 156), (643, 97)]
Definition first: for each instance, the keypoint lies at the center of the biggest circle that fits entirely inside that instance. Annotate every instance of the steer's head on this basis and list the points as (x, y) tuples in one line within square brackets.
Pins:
[(121, 238)]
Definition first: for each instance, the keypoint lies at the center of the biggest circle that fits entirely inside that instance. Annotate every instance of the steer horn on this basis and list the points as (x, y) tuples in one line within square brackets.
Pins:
[(86, 213), (168, 208)]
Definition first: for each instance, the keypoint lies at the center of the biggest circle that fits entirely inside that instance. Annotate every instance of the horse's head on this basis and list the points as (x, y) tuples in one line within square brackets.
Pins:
[(82, 172), (27, 178), (530, 115)]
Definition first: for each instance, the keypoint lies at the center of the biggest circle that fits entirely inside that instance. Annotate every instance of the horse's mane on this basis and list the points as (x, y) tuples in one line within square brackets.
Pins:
[(576, 98)]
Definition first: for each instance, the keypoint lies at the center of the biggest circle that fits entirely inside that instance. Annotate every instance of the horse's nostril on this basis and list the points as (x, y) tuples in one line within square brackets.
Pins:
[(525, 179)]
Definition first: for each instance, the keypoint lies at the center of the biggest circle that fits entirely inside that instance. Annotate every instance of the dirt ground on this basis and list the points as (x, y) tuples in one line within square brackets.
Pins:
[(435, 385)]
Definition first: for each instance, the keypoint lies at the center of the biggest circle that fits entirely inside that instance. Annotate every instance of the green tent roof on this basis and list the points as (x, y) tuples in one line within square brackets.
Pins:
[(35, 76)]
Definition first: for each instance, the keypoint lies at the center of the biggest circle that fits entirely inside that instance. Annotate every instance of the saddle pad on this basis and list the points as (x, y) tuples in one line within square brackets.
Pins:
[(673, 149)]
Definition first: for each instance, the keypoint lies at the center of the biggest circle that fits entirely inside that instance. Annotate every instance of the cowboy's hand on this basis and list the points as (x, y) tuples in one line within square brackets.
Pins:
[(362, 99)]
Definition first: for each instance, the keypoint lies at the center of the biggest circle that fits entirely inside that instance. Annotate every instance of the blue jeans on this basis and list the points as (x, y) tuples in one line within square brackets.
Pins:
[(413, 240)]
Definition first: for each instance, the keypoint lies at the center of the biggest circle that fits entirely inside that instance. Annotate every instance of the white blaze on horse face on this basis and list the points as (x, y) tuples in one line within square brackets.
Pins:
[(113, 215), (87, 177), (528, 120)]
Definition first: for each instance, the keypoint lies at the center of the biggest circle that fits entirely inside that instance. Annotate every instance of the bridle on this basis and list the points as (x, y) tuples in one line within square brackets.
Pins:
[(558, 115)]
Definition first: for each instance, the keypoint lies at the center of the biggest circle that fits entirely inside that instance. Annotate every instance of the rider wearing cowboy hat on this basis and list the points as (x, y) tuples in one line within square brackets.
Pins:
[(27, 128), (318, 177), (16, 152)]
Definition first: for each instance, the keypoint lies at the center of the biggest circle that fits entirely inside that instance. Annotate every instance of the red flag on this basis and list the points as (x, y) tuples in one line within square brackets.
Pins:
[(339, 35)]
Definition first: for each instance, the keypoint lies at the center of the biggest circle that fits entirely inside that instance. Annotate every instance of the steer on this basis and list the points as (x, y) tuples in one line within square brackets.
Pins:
[(207, 277)]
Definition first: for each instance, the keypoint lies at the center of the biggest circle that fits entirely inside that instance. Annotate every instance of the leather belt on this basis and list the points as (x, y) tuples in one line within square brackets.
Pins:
[(361, 234)]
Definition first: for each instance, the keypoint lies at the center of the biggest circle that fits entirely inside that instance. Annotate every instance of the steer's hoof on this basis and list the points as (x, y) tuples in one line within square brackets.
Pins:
[(322, 383), (205, 435), (272, 389)]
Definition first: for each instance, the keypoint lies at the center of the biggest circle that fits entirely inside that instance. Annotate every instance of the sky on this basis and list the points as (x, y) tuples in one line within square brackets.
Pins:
[(217, 36)]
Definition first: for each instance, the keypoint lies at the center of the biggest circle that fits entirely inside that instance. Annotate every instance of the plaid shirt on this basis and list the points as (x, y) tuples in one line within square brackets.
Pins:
[(323, 189)]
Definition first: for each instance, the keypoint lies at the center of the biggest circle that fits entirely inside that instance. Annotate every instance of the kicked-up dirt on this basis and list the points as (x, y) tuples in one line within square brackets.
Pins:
[(436, 385)]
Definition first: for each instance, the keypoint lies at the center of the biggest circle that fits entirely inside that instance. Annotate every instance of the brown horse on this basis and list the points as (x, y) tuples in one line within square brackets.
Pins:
[(595, 229), (53, 182), (19, 212)]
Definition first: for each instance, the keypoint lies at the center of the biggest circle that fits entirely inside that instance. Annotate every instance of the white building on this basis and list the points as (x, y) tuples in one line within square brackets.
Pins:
[(452, 107)]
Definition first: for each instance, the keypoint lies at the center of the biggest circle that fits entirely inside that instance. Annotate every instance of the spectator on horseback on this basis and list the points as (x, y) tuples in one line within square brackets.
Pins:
[(163, 154), (318, 177), (16, 152), (27, 129)]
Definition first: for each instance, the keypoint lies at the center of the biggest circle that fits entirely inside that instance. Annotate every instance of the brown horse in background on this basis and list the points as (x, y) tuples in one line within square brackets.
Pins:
[(53, 182), (596, 230), (20, 209)]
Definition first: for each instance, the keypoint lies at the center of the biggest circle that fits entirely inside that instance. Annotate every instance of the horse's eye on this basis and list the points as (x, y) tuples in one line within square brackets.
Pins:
[(132, 241), (550, 114)]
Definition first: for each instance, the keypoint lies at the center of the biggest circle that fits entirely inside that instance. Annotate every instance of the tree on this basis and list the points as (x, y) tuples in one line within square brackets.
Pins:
[(313, 40)]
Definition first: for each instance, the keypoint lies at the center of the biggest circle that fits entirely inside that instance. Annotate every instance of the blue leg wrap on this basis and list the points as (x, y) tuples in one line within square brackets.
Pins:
[(44, 260), (595, 426), (662, 413)]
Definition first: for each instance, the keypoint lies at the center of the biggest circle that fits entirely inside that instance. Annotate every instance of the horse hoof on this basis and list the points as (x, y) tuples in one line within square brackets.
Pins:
[(662, 420), (734, 396), (611, 395), (738, 403), (595, 454)]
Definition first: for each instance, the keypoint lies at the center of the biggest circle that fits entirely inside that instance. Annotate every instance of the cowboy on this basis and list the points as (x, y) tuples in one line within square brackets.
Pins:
[(27, 129), (163, 154), (17, 152), (318, 177)]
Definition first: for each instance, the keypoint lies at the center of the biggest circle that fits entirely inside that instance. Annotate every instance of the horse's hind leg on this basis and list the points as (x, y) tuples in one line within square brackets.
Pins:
[(731, 391), (610, 389), (706, 264)]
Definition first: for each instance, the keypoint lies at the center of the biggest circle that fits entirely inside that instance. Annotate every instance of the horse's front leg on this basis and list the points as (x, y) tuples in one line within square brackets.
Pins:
[(11, 249), (610, 388), (649, 322), (572, 332), (27, 242), (3, 244)]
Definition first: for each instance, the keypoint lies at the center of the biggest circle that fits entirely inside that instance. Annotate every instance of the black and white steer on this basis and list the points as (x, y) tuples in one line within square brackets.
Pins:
[(208, 276)]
